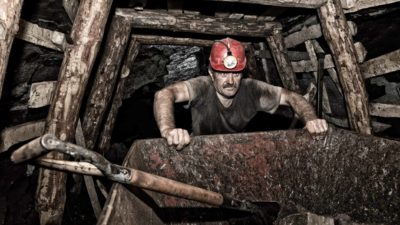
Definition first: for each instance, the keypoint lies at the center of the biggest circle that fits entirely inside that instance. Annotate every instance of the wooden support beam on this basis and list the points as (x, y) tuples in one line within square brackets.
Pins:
[(346, 4), (79, 57), (305, 66), (311, 32), (365, 4), (337, 35), (361, 52), (37, 35), (384, 110), (105, 136), (71, 7), (281, 59), (10, 11), (167, 40), (105, 79), (22, 132), (350, 6), (381, 65), (160, 20), (41, 93), (281, 3)]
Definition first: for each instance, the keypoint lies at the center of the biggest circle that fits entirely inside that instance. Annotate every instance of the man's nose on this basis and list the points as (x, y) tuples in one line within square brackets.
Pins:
[(230, 79)]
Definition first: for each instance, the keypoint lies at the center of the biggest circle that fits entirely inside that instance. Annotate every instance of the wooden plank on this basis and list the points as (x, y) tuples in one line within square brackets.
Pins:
[(87, 33), (365, 4), (23, 132), (160, 20), (381, 65), (37, 35), (168, 40), (41, 94), (281, 59), (337, 35), (71, 7), (304, 66), (361, 52), (311, 32), (346, 4), (10, 11), (105, 136), (281, 3), (105, 79), (384, 110)]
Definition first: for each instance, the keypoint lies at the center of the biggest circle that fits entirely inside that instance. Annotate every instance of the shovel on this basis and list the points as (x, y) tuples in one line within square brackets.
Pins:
[(101, 166)]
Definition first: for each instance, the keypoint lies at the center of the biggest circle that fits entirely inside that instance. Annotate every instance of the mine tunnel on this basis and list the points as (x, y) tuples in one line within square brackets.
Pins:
[(80, 142)]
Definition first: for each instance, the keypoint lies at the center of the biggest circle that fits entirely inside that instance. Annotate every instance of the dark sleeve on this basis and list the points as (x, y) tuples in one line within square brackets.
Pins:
[(267, 96)]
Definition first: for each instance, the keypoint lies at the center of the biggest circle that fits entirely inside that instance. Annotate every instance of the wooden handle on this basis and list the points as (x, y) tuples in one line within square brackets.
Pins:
[(28, 151), (167, 186)]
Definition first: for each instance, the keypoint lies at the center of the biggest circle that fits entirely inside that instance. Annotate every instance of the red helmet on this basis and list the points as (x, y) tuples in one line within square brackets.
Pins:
[(227, 55)]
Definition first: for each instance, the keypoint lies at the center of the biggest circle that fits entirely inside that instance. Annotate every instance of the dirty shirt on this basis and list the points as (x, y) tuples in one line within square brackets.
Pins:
[(209, 116)]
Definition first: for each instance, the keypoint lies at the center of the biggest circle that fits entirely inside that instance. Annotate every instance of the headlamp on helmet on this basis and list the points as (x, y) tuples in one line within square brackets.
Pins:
[(227, 55)]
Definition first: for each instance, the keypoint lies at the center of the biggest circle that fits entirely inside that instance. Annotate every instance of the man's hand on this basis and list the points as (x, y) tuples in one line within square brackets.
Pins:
[(177, 137), (317, 126)]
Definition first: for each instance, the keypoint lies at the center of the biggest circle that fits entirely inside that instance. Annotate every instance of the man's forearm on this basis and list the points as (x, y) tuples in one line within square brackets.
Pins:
[(301, 107), (164, 110)]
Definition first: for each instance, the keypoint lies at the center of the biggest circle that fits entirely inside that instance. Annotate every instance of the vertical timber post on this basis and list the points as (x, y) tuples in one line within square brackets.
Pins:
[(340, 42), (79, 57), (106, 77), (281, 59), (10, 12), (105, 137)]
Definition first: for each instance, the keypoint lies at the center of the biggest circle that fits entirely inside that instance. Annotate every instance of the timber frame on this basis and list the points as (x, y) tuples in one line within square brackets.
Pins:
[(123, 43), (106, 76)]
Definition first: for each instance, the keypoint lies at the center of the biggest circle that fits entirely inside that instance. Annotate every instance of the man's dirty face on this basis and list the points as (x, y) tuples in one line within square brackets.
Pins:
[(227, 83)]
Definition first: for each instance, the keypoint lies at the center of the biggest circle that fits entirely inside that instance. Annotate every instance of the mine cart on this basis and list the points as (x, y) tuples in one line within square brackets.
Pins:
[(339, 173)]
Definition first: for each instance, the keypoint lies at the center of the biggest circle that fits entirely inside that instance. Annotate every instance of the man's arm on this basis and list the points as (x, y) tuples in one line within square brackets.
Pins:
[(304, 110), (164, 100)]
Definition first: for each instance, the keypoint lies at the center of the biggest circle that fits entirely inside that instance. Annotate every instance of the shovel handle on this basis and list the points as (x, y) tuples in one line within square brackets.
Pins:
[(115, 172), (167, 186), (29, 151)]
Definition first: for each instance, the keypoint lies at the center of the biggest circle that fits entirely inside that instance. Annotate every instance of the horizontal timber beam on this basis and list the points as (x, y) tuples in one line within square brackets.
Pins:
[(167, 40), (161, 20), (365, 4), (282, 3), (37, 35), (22, 132), (384, 110), (380, 65)]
